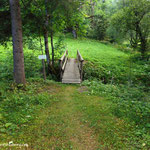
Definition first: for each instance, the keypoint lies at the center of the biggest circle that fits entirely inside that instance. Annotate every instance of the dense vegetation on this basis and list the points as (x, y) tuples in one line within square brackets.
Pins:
[(121, 77), (113, 37)]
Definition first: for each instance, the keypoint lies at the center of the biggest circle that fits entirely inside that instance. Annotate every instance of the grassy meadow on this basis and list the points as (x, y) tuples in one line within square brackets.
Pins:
[(109, 110)]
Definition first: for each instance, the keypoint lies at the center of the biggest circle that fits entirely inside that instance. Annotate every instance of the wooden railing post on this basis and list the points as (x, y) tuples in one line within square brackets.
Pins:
[(80, 64), (62, 63), (81, 76)]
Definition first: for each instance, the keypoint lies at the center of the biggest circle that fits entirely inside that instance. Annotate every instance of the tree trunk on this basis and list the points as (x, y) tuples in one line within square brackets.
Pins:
[(52, 48), (74, 34), (142, 40), (50, 67), (143, 46), (43, 61), (46, 39), (47, 49), (143, 43), (18, 56)]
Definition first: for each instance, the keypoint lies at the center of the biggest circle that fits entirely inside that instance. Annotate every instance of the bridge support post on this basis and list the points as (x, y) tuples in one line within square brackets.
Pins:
[(60, 69)]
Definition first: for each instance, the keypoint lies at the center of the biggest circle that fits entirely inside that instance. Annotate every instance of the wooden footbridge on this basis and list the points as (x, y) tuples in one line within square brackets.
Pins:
[(71, 69)]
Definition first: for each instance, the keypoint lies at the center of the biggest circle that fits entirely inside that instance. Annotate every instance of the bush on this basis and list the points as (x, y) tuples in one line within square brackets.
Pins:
[(105, 73)]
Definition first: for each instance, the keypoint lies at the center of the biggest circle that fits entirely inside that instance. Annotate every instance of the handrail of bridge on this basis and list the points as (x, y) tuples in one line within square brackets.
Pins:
[(80, 64), (63, 62)]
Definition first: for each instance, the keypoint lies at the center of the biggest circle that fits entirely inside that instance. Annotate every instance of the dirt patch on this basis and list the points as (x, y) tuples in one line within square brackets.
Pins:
[(52, 89), (83, 89)]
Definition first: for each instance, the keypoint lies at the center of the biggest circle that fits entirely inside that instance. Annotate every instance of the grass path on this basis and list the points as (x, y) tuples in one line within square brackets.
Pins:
[(76, 121), (60, 126), (80, 135)]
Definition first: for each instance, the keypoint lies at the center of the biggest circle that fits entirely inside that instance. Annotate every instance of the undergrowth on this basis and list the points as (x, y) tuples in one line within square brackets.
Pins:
[(119, 76), (19, 106), (127, 87)]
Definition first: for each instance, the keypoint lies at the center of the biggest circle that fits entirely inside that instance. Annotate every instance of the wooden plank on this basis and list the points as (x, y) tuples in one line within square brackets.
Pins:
[(71, 73), (75, 81)]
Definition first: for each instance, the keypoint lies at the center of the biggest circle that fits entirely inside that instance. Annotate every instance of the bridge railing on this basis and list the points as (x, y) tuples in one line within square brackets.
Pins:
[(62, 63), (80, 64)]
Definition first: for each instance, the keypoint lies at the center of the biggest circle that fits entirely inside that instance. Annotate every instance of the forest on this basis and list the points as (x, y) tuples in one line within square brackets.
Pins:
[(109, 109)]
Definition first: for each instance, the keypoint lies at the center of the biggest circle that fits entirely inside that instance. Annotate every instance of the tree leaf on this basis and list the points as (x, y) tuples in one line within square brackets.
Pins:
[(8, 125)]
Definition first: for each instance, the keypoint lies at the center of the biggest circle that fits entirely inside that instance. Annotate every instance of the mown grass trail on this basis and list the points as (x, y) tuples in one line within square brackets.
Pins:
[(76, 120)]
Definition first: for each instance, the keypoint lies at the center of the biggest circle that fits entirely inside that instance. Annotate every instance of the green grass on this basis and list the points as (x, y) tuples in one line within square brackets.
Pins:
[(65, 117), (93, 50), (104, 61), (113, 113)]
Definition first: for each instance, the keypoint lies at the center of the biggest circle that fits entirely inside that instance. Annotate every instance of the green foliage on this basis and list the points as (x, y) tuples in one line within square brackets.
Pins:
[(131, 102), (113, 35), (6, 61), (59, 47), (78, 23), (132, 20), (98, 19), (105, 73), (126, 85), (19, 107), (99, 27), (120, 77), (136, 71), (33, 65)]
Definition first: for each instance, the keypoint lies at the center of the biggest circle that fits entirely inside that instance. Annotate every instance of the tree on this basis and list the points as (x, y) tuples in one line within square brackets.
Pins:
[(133, 20), (46, 36), (33, 12), (19, 74), (97, 14), (54, 17), (60, 13), (51, 7)]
